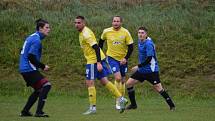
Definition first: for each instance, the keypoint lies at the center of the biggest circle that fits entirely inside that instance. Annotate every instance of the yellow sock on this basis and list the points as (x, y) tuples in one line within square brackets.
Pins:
[(122, 89), (118, 85), (113, 89), (92, 95)]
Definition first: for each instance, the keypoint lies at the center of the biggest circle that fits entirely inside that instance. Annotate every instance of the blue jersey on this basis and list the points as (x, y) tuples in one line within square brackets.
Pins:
[(145, 49), (32, 45)]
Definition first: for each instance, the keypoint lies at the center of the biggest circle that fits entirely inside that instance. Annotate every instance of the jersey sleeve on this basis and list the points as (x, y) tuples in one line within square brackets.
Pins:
[(149, 49), (103, 36), (128, 38), (34, 48), (90, 38)]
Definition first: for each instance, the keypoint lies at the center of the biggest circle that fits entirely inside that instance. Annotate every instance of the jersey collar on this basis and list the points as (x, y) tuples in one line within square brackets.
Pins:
[(42, 36)]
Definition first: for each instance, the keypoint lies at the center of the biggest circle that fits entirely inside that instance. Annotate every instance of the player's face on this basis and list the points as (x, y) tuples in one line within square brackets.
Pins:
[(116, 23), (142, 34), (79, 24), (45, 29)]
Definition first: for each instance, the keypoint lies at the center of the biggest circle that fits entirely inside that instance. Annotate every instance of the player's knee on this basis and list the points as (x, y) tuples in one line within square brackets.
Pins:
[(118, 78), (104, 81), (47, 85), (89, 83), (123, 80), (36, 93), (158, 87), (129, 83)]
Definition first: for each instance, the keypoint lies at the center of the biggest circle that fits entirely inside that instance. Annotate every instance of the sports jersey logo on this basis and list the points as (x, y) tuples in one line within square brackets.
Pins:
[(126, 70), (87, 72), (122, 37), (114, 69), (116, 43)]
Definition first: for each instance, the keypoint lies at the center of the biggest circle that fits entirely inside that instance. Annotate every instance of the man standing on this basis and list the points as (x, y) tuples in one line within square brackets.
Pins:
[(119, 49), (147, 69), (28, 66), (96, 66)]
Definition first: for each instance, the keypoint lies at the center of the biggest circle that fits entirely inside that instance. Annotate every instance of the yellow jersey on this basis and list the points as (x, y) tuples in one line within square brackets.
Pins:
[(87, 39), (117, 42)]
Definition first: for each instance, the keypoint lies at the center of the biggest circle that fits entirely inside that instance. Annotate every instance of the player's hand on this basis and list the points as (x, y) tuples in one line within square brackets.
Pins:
[(123, 61), (134, 69), (99, 66), (46, 68)]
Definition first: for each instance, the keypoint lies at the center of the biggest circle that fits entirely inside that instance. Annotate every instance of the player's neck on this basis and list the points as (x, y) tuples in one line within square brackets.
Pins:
[(117, 29), (143, 40), (80, 30)]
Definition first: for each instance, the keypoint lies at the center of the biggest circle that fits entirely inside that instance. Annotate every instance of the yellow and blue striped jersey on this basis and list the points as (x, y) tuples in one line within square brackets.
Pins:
[(87, 39), (117, 42)]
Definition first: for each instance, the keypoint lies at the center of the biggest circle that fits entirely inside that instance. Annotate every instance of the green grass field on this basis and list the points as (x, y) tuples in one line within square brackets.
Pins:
[(70, 108)]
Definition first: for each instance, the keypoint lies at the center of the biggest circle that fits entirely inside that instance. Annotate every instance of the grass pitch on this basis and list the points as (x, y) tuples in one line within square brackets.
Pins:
[(70, 108)]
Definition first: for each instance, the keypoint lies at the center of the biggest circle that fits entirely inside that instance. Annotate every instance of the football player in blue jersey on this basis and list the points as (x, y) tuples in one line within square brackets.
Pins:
[(29, 64), (147, 69)]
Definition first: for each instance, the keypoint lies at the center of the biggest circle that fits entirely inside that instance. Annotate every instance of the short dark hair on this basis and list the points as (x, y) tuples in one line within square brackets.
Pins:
[(119, 17), (40, 23), (80, 17), (143, 28)]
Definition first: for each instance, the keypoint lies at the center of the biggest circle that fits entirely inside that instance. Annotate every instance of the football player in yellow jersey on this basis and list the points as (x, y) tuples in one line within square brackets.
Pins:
[(96, 66), (119, 49)]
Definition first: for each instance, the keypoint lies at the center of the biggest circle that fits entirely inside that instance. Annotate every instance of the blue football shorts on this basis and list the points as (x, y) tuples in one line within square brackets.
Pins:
[(116, 67), (92, 73)]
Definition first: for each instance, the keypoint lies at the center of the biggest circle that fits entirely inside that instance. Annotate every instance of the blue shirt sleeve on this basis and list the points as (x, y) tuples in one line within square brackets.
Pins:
[(34, 49), (149, 49)]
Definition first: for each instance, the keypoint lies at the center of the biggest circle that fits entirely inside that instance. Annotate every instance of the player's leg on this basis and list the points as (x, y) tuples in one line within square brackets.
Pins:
[(131, 93), (118, 79), (45, 87), (115, 69), (109, 85), (31, 78), (90, 78), (123, 71), (102, 76), (119, 86), (92, 97), (155, 80), (135, 77), (158, 87), (31, 100)]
